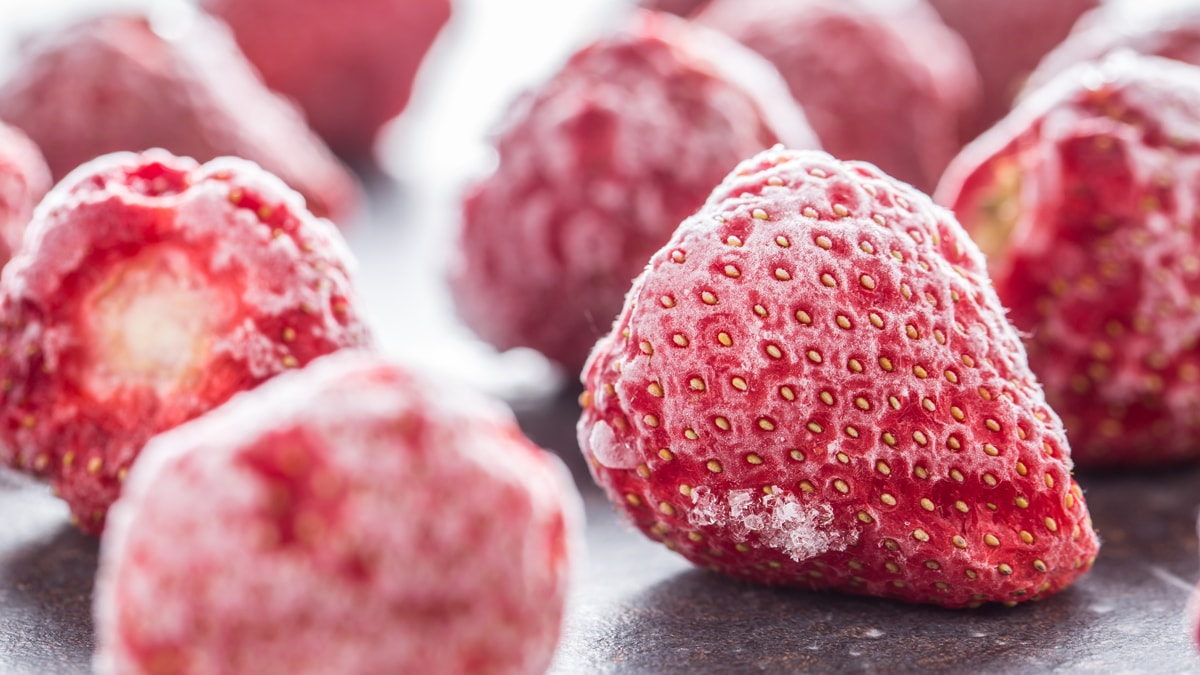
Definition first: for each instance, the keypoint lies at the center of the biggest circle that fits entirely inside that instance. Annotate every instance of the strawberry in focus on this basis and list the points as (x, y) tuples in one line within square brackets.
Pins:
[(1007, 38), (813, 384), (24, 180), (113, 82), (595, 170), (1084, 200), (376, 523), (864, 76), (308, 49), (148, 290)]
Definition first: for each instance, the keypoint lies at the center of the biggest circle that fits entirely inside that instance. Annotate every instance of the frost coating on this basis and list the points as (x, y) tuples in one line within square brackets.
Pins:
[(779, 520), (612, 454)]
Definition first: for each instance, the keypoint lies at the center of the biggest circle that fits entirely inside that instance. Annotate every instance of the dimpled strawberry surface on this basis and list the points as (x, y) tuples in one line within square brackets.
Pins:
[(349, 64), (112, 82), (355, 519), (148, 290), (864, 76), (24, 180), (813, 384), (1085, 200), (597, 167)]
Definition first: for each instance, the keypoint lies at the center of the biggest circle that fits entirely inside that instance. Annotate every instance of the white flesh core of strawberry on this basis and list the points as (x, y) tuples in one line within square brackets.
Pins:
[(151, 323)]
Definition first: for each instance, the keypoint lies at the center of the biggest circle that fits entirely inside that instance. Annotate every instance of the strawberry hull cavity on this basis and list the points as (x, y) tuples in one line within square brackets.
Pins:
[(305, 49), (111, 83), (1084, 200), (864, 77), (148, 290), (345, 518), (813, 384), (24, 179), (597, 168)]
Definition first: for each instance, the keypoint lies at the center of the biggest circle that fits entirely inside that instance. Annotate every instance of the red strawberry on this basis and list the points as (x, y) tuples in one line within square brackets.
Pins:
[(813, 384), (112, 83), (1085, 200), (1007, 38), (864, 77), (148, 290), (596, 169), (24, 180), (346, 518), (1173, 34), (349, 64)]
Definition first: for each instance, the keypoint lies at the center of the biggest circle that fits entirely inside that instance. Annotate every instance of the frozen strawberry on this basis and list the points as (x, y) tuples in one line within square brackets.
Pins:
[(677, 7), (813, 384), (1173, 34), (112, 83), (349, 64), (1084, 199), (1007, 38), (595, 171), (864, 76), (345, 518), (24, 179), (148, 290)]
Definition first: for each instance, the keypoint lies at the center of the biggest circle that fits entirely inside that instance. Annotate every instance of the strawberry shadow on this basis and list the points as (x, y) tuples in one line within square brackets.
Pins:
[(46, 603)]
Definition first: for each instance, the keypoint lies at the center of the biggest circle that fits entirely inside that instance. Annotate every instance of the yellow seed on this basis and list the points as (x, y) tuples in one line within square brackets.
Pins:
[(289, 361), (920, 372), (803, 317), (843, 458), (782, 275), (732, 272), (933, 565), (867, 282), (927, 504), (1004, 569), (951, 377), (920, 535), (991, 540), (759, 214), (666, 455), (1021, 502), (959, 542), (954, 443), (990, 450), (840, 486), (992, 424), (667, 301), (647, 348), (760, 310), (840, 210), (678, 256), (797, 455), (957, 475), (680, 340), (714, 466), (813, 355), (766, 424), (724, 339), (824, 242), (957, 413), (722, 423), (1023, 470), (708, 298), (989, 479), (685, 489), (865, 517), (655, 390), (94, 464), (690, 434), (852, 432), (854, 365), (633, 499), (289, 334), (828, 280), (753, 459), (782, 241), (885, 363), (1049, 480), (968, 361), (928, 404), (843, 322), (1039, 565), (738, 383), (1026, 537), (826, 398), (862, 403), (650, 420), (1051, 524), (961, 506), (894, 402), (666, 508), (883, 468), (875, 320), (912, 332), (815, 428), (806, 486), (887, 499), (889, 438), (920, 472), (920, 438)]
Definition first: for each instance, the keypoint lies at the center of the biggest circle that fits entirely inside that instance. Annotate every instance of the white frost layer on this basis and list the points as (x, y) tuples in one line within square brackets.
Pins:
[(779, 519), (608, 451)]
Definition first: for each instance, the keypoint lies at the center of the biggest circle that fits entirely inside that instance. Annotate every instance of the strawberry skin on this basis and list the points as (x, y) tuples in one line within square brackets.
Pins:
[(376, 522), (1084, 200), (111, 83), (24, 180), (813, 384), (305, 49), (149, 289), (888, 87), (597, 168)]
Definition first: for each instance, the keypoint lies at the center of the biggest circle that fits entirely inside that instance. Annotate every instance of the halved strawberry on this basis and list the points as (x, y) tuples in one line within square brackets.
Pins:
[(813, 384), (345, 518), (150, 289)]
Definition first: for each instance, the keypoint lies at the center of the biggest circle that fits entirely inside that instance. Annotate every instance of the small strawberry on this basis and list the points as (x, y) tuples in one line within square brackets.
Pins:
[(112, 83), (148, 290), (1172, 34), (1084, 198), (345, 518), (597, 167), (1007, 38), (813, 384), (349, 64), (865, 77), (24, 180)]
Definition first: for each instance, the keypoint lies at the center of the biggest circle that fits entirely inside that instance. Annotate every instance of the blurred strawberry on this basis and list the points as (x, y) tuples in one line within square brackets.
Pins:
[(24, 179)]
